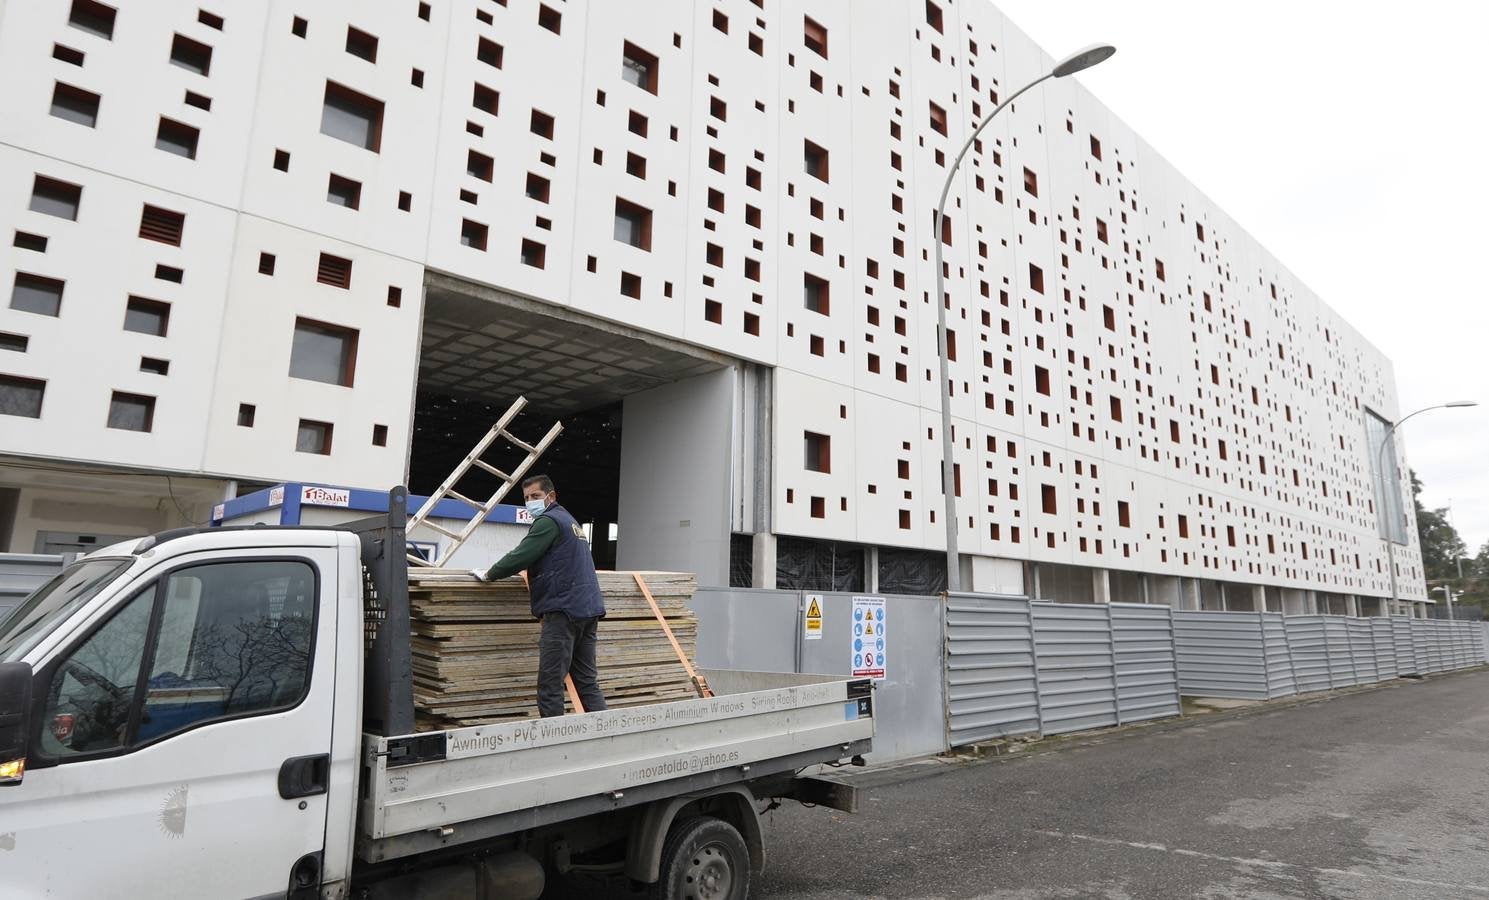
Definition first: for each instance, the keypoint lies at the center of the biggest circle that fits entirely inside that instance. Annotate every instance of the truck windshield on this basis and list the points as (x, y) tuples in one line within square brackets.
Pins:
[(39, 613)]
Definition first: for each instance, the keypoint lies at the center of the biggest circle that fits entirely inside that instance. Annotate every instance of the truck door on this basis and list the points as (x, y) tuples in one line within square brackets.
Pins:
[(182, 748)]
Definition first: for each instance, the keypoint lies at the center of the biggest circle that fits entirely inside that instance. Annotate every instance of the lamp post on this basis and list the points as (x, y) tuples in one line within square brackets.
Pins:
[(1447, 592), (1385, 441), (1076, 62)]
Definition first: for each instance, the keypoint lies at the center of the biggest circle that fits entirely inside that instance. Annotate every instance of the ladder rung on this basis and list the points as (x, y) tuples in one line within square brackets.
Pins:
[(451, 492), (446, 532), (492, 469), (518, 442)]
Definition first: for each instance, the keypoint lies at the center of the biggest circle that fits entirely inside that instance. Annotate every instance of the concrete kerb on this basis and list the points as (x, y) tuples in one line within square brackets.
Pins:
[(1196, 711)]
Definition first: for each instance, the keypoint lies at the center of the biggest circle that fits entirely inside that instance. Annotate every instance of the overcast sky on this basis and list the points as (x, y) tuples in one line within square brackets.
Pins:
[(1350, 139)]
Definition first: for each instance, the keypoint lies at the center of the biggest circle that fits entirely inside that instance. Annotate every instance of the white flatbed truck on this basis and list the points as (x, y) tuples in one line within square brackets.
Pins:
[(229, 712)]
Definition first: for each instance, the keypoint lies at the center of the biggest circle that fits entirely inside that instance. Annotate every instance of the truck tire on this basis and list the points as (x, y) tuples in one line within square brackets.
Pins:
[(703, 858)]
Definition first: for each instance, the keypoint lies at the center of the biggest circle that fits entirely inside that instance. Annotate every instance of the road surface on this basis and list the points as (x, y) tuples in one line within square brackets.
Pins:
[(1381, 793)]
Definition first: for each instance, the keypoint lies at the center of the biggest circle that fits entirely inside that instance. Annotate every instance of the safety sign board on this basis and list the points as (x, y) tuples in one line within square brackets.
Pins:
[(870, 643), (812, 624)]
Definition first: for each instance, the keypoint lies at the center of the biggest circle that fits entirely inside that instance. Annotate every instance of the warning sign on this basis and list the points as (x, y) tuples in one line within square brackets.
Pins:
[(812, 627), (869, 642)]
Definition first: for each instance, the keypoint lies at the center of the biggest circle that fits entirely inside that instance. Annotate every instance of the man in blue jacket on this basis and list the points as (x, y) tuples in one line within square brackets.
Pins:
[(565, 595)]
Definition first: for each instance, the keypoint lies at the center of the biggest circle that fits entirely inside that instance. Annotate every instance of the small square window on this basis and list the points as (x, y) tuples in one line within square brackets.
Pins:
[(335, 271), (298, 27), (74, 104), (757, 44), (721, 21), (550, 18), (636, 124), (323, 352), (632, 224), (193, 56), (489, 52), (533, 254), (68, 55), (313, 437), (541, 124), (479, 165), (344, 192), (815, 293), (131, 412), (177, 137), (21, 397), (245, 415), (211, 20), (379, 435), (405, 201), (36, 294), (282, 160), (145, 316), (92, 17), (169, 273), (815, 160), (818, 452), (815, 37), (200, 102), (638, 67), (752, 324), (152, 366), (537, 187), (56, 198), (630, 285), (473, 234), (635, 165), (424, 11), (14, 343), (395, 296), (488, 101), (352, 117), (163, 225), (266, 264), (933, 16), (361, 44), (416, 78)]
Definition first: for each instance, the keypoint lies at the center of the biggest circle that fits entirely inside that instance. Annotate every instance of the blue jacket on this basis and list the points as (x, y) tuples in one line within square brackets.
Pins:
[(563, 579)]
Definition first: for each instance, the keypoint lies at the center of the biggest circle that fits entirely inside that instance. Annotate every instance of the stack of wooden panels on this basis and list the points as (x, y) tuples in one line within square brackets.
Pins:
[(475, 645)]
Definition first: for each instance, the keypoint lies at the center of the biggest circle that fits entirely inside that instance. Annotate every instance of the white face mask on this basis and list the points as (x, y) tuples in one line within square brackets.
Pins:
[(535, 507)]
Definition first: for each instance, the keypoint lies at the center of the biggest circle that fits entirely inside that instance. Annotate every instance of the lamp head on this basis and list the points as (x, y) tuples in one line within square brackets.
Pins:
[(1083, 59), (1460, 403)]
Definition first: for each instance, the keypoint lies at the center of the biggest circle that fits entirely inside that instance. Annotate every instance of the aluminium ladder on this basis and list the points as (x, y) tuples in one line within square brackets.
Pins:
[(473, 459)]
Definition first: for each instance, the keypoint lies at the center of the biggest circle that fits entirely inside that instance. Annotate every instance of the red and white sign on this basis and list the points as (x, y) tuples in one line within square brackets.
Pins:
[(276, 496), (311, 495)]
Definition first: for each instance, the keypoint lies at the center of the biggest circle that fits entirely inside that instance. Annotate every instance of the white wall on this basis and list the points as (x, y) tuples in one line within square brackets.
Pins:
[(1220, 301), (674, 478)]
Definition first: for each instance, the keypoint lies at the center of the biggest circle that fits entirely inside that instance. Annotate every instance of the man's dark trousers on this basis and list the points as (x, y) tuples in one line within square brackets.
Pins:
[(567, 647)]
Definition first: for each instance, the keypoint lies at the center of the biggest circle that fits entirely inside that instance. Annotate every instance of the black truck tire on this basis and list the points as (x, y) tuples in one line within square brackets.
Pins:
[(703, 858)]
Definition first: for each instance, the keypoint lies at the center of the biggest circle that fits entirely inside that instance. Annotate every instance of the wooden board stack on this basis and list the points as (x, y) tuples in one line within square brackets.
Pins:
[(475, 645)]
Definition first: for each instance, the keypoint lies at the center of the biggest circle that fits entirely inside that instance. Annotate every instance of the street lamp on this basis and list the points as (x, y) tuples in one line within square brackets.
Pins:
[(1380, 454), (1447, 591), (1075, 62)]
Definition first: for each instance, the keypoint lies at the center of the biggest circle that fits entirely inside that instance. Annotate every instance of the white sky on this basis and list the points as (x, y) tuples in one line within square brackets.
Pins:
[(1351, 140)]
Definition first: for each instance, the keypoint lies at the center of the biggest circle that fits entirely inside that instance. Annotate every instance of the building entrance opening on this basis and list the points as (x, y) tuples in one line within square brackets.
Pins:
[(644, 453)]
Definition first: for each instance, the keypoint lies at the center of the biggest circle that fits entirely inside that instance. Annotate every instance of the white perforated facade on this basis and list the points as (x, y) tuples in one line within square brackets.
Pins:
[(1138, 385)]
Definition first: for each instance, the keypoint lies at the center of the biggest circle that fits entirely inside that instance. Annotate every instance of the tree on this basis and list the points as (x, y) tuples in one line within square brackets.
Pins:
[(1440, 543), (1481, 562)]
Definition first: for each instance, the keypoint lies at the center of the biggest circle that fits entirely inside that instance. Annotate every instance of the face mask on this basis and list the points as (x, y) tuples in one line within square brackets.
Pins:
[(535, 507)]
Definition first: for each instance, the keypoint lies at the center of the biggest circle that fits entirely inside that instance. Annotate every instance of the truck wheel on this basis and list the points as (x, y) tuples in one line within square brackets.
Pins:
[(704, 858)]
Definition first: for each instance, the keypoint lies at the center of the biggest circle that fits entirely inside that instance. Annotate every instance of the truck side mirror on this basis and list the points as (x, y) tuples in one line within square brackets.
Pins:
[(15, 715)]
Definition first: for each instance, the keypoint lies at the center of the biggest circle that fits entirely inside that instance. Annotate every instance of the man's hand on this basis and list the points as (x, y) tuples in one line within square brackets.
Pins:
[(479, 573)]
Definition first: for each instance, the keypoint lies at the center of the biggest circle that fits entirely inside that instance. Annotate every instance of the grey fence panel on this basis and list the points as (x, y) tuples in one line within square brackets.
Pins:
[(1457, 657), (22, 573), (1384, 636), (1307, 644), (1146, 669), (1433, 642), (1077, 680), (740, 628), (1341, 665), (1421, 641), (1362, 650), (992, 689), (1220, 654), (910, 703), (1481, 643), (1406, 653), (1281, 681)]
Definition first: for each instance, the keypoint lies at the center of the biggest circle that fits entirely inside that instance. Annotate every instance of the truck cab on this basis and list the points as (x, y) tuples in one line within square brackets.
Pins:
[(189, 706)]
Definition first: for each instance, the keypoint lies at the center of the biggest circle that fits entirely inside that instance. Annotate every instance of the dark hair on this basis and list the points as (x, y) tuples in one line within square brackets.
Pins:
[(542, 481)]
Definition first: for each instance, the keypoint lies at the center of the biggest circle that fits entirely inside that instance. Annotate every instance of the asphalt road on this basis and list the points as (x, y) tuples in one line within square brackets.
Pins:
[(1381, 793)]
